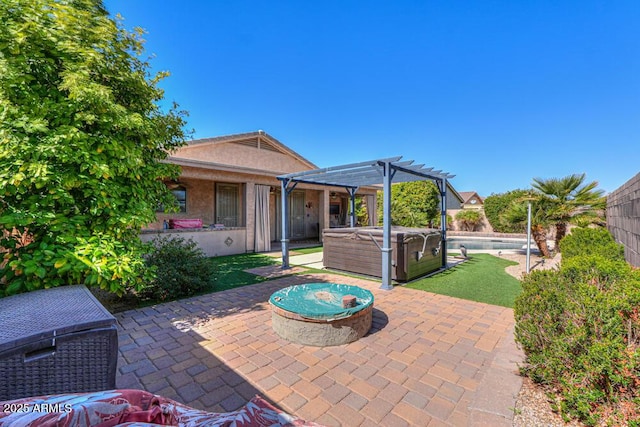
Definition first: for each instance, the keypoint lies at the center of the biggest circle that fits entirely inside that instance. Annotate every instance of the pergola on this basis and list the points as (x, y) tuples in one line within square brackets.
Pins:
[(371, 173)]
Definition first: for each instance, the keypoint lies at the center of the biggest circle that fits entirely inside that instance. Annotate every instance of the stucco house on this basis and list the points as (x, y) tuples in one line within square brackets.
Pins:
[(228, 185), (471, 200)]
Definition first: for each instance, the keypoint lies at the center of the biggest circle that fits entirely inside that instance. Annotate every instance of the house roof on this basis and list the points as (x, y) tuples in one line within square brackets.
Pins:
[(468, 195), (258, 139)]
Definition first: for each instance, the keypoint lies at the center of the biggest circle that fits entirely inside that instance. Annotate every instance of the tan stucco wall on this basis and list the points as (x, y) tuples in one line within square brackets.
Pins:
[(212, 243), (200, 182), (234, 154)]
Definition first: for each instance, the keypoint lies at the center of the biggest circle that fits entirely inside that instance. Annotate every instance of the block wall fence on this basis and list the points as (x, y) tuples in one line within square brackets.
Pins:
[(623, 218)]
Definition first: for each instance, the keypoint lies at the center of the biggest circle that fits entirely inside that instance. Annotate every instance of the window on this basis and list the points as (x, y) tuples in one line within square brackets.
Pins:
[(180, 193), (228, 205)]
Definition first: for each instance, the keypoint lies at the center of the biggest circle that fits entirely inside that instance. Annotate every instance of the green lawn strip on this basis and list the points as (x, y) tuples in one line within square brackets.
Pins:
[(230, 270), (229, 274), (481, 278)]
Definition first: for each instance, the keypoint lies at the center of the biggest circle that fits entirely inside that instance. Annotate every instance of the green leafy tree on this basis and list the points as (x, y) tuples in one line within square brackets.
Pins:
[(82, 139), (437, 221), (570, 200), (496, 204), (362, 217), (413, 204), (469, 219)]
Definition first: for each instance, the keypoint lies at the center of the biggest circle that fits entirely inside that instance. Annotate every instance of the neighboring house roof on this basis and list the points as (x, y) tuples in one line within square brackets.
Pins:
[(252, 151), (468, 197)]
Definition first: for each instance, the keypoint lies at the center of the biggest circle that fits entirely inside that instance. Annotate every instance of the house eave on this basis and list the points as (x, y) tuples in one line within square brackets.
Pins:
[(180, 161), (239, 169)]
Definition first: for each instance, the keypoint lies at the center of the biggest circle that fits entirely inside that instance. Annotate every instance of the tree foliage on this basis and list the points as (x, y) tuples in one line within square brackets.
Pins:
[(516, 213), (413, 204), (82, 137), (437, 221), (570, 200), (362, 217), (555, 202), (469, 219), (496, 204)]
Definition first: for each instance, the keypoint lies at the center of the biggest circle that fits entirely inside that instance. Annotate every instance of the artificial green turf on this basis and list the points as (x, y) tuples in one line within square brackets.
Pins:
[(480, 278), (229, 270)]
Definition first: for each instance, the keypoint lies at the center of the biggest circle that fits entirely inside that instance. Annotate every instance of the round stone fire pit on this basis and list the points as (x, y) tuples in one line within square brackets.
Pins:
[(321, 314)]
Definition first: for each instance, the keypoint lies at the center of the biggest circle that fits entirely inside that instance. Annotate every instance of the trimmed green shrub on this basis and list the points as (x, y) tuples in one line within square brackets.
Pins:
[(591, 241), (579, 327), (181, 270), (595, 269)]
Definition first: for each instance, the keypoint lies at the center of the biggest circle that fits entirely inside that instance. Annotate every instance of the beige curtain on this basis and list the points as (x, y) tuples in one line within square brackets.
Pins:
[(371, 208), (263, 231)]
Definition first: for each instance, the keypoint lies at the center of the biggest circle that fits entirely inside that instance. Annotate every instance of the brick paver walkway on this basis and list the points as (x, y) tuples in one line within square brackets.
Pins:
[(429, 360)]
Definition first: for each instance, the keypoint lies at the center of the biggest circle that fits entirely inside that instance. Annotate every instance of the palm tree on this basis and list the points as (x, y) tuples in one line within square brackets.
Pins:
[(516, 213), (570, 200)]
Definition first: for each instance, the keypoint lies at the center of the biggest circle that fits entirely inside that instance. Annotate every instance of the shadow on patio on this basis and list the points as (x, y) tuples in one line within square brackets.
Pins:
[(427, 359)]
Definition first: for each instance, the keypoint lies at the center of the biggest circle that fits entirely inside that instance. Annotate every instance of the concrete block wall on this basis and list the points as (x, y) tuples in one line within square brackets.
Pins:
[(623, 218)]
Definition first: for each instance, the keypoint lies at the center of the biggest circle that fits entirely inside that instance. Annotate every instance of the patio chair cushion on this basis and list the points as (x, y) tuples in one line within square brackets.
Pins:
[(134, 408)]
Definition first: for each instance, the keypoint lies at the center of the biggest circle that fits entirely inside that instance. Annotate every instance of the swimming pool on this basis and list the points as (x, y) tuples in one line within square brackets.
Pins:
[(488, 243)]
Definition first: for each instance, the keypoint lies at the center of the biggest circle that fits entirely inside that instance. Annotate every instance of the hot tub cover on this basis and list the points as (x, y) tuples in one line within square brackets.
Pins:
[(321, 300)]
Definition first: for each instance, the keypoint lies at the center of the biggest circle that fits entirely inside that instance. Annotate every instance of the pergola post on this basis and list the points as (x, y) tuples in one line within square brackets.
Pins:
[(356, 175), (386, 227), (443, 221), (285, 220), (352, 205)]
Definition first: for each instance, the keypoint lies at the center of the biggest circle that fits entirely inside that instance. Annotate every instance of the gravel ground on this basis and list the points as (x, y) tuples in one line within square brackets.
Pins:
[(534, 410)]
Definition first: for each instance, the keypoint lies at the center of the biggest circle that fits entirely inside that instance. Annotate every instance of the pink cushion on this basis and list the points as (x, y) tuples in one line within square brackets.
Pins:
[(134, 408), (185, 223)]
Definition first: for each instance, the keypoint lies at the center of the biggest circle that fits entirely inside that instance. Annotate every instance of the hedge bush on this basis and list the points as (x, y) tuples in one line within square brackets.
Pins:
[(579, 327), (591, 241), (496, 204), (181, 270)]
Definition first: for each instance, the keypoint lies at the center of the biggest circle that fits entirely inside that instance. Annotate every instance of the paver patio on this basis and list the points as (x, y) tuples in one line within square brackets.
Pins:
[(429, 360)]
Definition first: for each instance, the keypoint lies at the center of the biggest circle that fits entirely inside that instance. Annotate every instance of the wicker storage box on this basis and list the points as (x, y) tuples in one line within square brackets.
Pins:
[(59, 340)]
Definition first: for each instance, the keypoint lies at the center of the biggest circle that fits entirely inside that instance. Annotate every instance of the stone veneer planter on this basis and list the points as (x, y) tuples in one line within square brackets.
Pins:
[(337, 327)]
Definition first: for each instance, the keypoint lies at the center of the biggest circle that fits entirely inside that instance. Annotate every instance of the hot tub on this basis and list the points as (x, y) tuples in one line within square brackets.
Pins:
[(313, 313), (416, 251)]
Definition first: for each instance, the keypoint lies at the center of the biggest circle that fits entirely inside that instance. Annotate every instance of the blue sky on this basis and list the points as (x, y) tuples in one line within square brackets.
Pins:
[(496, 92)]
